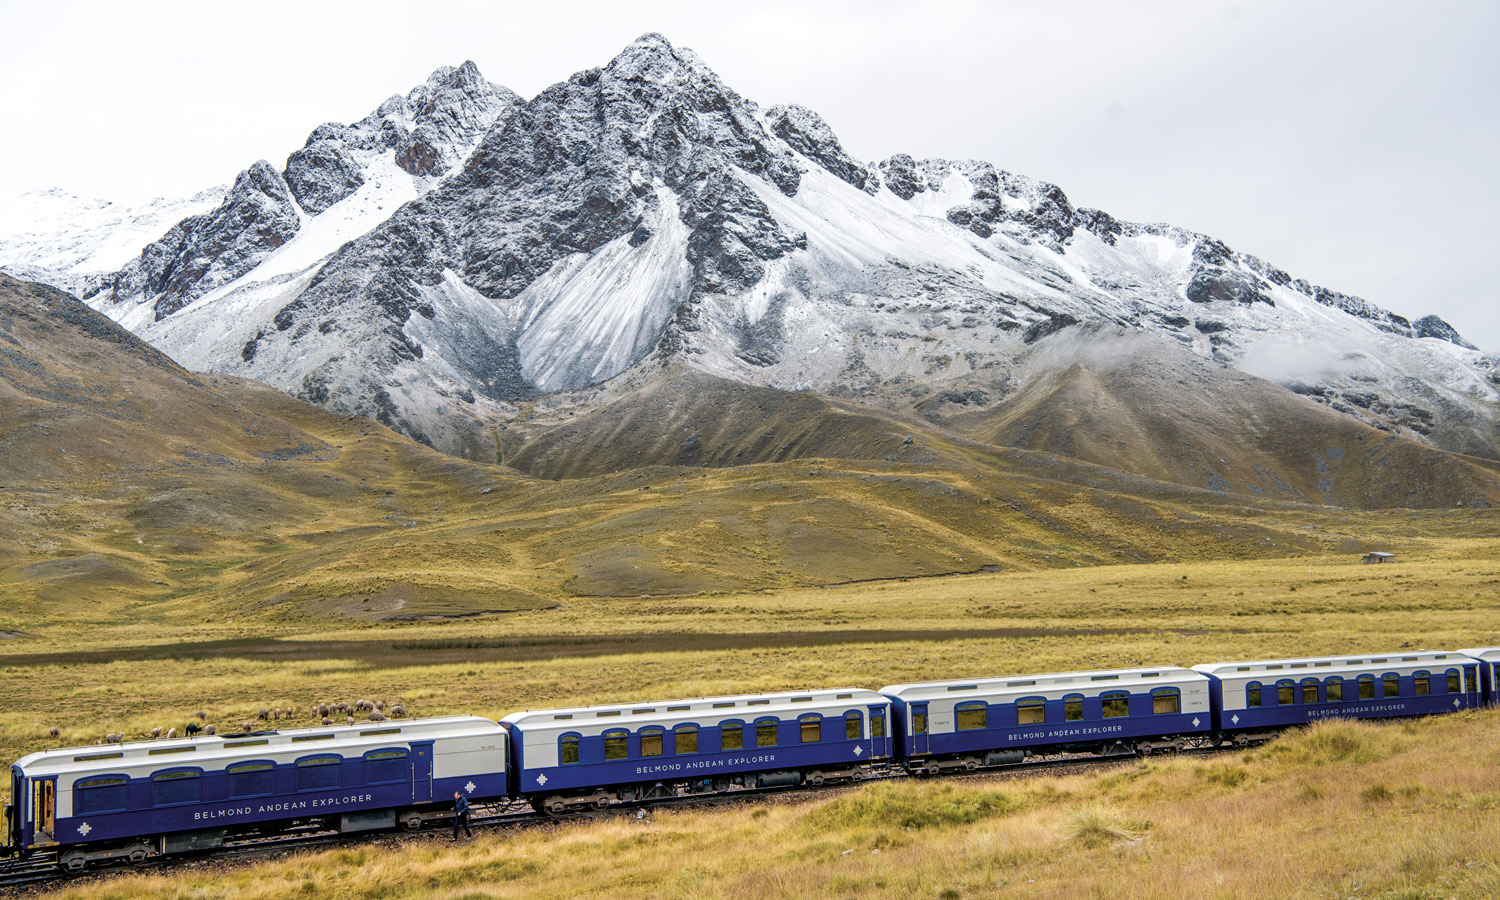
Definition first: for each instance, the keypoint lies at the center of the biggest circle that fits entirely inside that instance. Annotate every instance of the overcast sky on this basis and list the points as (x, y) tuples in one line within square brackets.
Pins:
[(1354, 144)]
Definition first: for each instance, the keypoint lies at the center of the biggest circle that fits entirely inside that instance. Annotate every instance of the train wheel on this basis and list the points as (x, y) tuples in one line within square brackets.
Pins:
[(73, 862), (815, 778), (412, 821), (138, 855), (601, 802), (932, 768), (555, 806)]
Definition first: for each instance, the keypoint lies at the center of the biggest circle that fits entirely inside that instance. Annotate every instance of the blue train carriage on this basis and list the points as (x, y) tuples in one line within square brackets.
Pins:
[(966, 724), (140, 799), (1254, 700), (1488, 659), (595, 756)]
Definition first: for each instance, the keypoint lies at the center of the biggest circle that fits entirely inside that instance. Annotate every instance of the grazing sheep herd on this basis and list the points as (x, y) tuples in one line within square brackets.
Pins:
[(321, 713)]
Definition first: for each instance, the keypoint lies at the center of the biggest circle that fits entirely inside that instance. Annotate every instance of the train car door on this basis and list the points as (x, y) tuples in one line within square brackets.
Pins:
[(46, 808), (1471, 686), (918, 728), (421, 771)]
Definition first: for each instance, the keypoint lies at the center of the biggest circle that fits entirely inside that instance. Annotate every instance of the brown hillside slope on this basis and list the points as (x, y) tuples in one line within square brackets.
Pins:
[(1143, 405)]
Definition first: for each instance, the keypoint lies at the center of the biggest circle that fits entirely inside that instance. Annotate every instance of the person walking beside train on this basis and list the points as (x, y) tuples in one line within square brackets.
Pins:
[(460, 815)]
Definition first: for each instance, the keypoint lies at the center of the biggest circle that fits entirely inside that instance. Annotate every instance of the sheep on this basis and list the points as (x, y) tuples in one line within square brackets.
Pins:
[(398, 711), (323, 710), (350, 720), (376, 717), (54, 732), (380, 704), (327, 721), (201, 715), (156, 732), (287, 713), (171, 733), (209, 730), (247, 727), (192, 729), (113, 738), (276, 713), (264, 714)]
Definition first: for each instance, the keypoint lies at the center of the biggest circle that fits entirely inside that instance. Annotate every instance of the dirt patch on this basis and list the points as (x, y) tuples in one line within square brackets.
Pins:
[(394, 654)]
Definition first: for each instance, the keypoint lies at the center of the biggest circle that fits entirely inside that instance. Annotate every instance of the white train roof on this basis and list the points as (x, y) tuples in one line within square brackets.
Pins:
[(1488, 654), (781, 704), (1068, 682), (218, 750), (1403, 661)]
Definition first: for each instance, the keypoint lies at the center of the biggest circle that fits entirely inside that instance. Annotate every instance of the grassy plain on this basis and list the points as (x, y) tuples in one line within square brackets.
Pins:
[(1348, 810)]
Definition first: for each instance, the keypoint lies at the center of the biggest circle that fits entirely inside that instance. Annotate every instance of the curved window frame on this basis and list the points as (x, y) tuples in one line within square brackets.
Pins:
[(165, 776), (810, 728), (1453, 680), (567, 741), (1163, 693), (767, 732), (1286, 692), (616, 744), (1334, 685), (234, 775), (653, 741), (317, 762), (1254, 695), (964, 718), (735, 727), (1115, 704), (1031, 711), (1309, 686), (1073, 708), (678, 733), (1366, 687), (375, 774), (1421, 683), (1386, 681), (103, 787), (854, 725)]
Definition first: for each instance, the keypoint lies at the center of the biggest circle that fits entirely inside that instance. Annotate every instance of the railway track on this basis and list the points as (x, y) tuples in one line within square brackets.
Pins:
[(40, 870)]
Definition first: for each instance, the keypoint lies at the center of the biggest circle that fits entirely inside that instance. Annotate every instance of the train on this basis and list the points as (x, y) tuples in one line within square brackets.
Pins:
[(138, 800)]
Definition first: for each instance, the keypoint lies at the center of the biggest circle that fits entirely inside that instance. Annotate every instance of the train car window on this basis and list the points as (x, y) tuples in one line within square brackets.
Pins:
[(687, 739), (1031, 712), (1073, 709), (1335, 689), (1469, 682), (1309, 692), (971, 715), (1166, 701), (651, 742), (1421, 684), (1252, 695), (1367, 687), (854, 726), (251, 780), (99, 795), (732, 735), (567, 749), (1286, 693), (812, 728), (1116, 705), (919, 723), (1392, 685), (1453, 682), (318, 773), (877, 724), (174, 787), (386, 766), (765, 732), (615, 744)]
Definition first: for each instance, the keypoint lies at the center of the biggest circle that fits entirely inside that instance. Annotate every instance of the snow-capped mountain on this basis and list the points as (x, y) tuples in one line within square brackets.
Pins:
[(460, 252), (76, 243)]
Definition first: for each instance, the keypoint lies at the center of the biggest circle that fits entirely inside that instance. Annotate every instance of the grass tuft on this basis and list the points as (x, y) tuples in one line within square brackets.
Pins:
[(1094, 826)]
